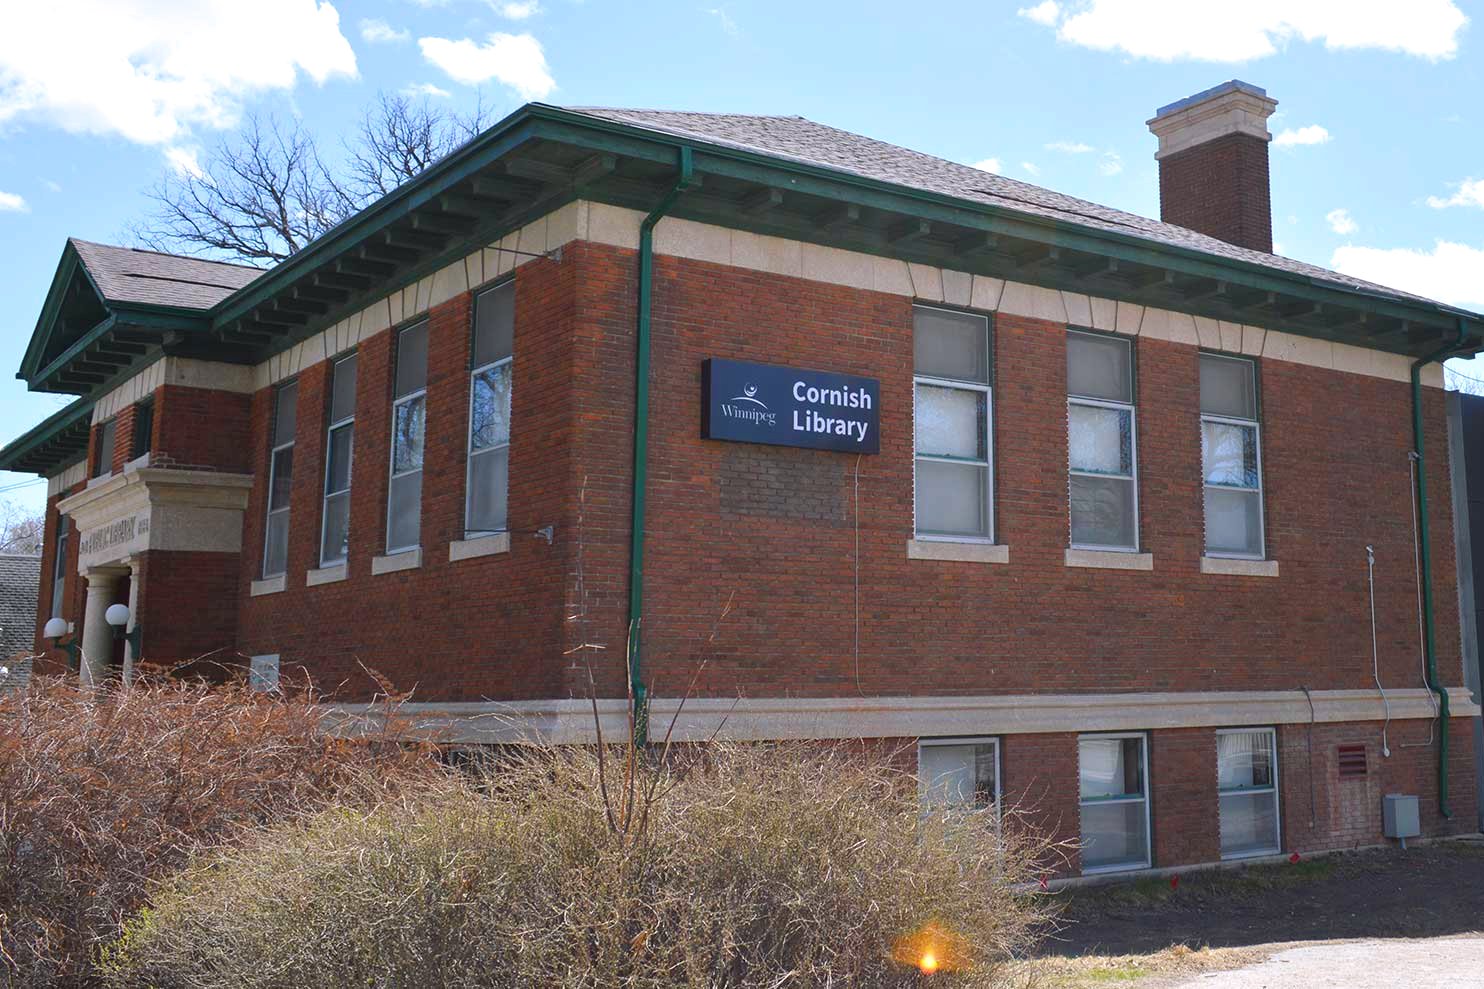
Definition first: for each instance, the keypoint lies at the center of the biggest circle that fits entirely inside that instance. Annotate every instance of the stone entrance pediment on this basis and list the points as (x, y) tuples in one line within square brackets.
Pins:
[(154, 508)]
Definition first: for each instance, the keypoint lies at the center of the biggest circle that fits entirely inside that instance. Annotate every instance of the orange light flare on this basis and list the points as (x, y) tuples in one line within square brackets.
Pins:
[(932, 948)]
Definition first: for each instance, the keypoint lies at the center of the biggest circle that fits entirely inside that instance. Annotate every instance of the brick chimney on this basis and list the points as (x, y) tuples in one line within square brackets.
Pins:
[(1213, 164)]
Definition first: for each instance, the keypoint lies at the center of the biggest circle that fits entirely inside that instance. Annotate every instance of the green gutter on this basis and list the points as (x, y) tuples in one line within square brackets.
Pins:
[(637, 690), (1425, 543)]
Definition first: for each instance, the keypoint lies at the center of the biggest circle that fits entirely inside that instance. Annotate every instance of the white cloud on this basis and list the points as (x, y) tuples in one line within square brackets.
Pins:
[(518, 10), (989, 165), (425, 89), (151, 70), (516, 60), (1449, 272), (51, 186), (12, 203), (1030, 168), (1341, 222), (725, 20), (1042, 13), (185, 162), (1292, 137), (375, 31), (1111, 163), (1166, 30), (1070, 147), (1470, 192)]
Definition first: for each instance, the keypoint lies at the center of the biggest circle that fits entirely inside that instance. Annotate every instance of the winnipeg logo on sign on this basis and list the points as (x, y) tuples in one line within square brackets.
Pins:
[(756, 411), (784, 406)]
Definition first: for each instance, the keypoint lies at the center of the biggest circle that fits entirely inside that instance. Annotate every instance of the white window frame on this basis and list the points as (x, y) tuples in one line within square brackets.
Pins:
[(326, 493), (1133, 454), (1275, 789), (1256, 426), (391, 463), (999, 781), (1143, 738), (470, 453), (59, 566), (987, 390), (263, 674), (273, 477)]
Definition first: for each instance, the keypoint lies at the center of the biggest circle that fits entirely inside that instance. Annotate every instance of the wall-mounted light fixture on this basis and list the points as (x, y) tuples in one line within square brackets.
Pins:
[(54, 630), (117, 615)]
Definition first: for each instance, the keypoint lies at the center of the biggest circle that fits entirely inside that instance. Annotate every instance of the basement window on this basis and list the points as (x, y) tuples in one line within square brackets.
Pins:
[(1247, 780), (486, 500), (953, 494), (1114, 779), (959, 772), (1231, 456), (1101, 445)]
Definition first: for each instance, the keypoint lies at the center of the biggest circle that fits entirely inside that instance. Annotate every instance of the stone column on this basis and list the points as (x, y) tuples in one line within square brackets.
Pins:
[(97, 634), (129, 658)]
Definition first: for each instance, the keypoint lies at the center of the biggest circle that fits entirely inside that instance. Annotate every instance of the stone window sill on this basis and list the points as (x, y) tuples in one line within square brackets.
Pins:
[(465, 549), (1239, 568), (1102, 559), (961, 552), (407, 559), (270, 585), (325, 575)]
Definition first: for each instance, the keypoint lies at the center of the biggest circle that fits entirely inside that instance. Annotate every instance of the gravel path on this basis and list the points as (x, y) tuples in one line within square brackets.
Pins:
[(1432, 963)]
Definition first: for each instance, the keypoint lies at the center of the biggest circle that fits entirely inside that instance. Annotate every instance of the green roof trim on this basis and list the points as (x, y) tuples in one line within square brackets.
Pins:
[(541, 157), (58, 441)]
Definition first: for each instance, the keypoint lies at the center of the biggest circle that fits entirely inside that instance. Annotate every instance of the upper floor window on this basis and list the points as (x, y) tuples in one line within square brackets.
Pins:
[(1231, 457), (489, 412), (951, 415), (103, 456), (339, 451), (144, 427), (1101, 448), (280, 479), (409, 422), (59, 566)]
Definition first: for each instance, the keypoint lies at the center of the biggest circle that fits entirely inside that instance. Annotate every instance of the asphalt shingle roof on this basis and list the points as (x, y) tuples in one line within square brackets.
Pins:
[(803, 140), (131, 274), (20, 583)]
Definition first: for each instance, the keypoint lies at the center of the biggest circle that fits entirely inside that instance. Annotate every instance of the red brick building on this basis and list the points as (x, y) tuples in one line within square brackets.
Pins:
[(1095, 513)]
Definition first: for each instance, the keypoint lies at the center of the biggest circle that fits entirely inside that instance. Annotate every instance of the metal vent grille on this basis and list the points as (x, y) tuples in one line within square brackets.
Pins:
[(1351, 761)]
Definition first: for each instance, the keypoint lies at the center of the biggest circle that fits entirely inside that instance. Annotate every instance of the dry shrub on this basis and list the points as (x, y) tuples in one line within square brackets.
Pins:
[(749, 866), (102, 793)]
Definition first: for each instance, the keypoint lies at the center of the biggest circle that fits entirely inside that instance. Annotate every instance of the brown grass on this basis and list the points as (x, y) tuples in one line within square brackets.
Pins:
[(747, 866), (102, 793)]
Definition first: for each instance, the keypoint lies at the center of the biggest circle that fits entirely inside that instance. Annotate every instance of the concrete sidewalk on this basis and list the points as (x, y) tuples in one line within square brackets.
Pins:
[(1430, 963)]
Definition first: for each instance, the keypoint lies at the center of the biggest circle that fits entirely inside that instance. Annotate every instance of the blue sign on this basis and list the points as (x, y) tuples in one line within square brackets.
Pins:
[(789, 406)]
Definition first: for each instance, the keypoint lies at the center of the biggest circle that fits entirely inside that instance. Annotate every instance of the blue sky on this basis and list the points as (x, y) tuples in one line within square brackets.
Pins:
[(1378, 168)]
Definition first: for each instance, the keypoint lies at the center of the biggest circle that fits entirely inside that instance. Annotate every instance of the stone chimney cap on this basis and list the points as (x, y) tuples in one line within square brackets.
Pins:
[(1234, 107)]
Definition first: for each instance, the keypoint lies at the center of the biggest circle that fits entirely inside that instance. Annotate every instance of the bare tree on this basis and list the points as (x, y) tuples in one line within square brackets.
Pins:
[(22, 530), (264, 193)]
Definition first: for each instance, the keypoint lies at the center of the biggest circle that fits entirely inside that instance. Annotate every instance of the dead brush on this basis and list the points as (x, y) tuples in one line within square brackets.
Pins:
[(102, 792), (722, 865)]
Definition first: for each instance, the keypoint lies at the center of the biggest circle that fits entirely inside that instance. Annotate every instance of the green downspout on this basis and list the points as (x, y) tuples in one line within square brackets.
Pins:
[(637, 689), (1425, 541)]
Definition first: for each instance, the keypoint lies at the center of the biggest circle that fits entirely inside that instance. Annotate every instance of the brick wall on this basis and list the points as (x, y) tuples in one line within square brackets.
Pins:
[(74, 588), (489, 627), (200, 427), (1220, 188)]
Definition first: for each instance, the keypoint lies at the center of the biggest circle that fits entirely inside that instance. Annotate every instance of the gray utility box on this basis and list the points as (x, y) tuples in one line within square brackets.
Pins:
[(1399, 816)]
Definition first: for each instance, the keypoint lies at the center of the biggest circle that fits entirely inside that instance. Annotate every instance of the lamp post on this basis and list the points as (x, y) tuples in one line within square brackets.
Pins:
[(54, 630)]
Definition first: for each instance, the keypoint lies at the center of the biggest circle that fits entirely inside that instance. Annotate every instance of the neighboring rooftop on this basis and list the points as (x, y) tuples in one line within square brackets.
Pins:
[(132, 274), (20, 584), (819, 144)]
